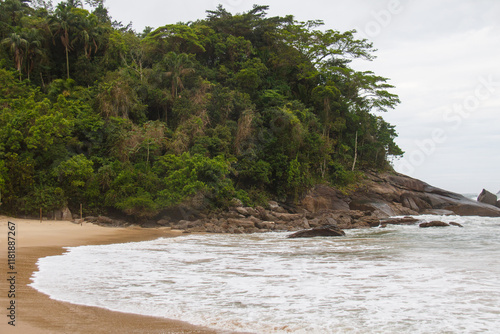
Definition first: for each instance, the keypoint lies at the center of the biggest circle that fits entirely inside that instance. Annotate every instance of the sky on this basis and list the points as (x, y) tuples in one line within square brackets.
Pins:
[(442, 56)]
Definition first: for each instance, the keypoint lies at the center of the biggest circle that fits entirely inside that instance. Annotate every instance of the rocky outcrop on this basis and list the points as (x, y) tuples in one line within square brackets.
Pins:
[(393, 194), (488, 198), (326, 231)]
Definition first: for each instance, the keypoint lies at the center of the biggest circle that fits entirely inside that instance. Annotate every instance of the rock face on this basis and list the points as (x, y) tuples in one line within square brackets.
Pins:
[(393, 194), (488, 198), (323, 197), (325, 231)]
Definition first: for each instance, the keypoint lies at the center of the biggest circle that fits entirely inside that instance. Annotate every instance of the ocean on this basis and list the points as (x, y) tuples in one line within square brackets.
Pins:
[(399, 279)]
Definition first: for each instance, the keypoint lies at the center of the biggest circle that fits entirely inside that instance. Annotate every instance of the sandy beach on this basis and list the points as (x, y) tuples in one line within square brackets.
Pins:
[(37, 313)]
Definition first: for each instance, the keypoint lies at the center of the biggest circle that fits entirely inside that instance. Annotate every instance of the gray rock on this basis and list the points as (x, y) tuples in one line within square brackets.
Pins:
[(63, 214), (488, 198)]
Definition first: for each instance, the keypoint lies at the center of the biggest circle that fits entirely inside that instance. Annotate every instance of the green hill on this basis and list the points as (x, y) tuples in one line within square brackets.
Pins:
[(239, 106)]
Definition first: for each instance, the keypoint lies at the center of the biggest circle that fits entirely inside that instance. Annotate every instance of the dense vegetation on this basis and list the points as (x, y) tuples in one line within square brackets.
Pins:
[(232, 106)]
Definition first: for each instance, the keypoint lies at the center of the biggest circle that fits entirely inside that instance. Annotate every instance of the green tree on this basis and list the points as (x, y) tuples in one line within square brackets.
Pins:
[(18, 46), (178, 66)]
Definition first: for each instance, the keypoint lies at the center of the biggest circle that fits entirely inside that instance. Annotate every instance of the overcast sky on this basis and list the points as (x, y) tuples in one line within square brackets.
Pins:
[(443, 56)]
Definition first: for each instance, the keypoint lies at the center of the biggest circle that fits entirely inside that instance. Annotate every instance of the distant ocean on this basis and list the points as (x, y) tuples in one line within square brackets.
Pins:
[(399, 279)]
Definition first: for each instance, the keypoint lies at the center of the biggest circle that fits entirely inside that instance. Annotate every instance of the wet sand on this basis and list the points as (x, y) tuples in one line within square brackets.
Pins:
[(37, 313)]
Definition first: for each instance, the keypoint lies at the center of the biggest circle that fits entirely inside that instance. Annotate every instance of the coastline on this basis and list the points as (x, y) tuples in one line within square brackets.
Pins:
[(37, 313)]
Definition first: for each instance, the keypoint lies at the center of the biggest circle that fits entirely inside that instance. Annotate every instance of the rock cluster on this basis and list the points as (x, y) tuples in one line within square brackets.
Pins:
[(274, 218), (378, 197)]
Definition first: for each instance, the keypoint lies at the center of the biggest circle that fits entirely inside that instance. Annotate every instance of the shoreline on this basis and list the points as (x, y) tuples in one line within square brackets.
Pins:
[(38, 313)]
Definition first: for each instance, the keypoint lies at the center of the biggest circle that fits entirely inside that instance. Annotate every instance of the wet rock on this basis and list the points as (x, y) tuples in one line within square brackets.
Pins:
[(367, 221), (325, 231), (455, 224), (435, 223), (399, 221)]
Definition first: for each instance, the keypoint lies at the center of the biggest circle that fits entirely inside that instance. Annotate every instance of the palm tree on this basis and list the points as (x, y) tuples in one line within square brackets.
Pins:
[(61, 23), (176, 64), (34, 48), (18, 46), (88, 33)]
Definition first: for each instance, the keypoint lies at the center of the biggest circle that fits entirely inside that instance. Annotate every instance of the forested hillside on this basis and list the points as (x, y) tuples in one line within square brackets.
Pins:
[(231, 106)]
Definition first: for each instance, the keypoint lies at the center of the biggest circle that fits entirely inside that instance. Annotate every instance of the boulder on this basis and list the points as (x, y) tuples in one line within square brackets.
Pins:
[(488, 198), (163, 222), (434, 224), (242, 211), (399, 221), (498, 204), (325, 231), (63, 214), (455, 224)]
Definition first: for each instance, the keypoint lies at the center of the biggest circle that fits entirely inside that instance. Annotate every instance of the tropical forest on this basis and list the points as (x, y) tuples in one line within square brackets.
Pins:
[(233, 106)]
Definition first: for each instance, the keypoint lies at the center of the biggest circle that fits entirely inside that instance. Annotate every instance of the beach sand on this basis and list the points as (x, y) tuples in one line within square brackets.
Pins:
[(37, 313)]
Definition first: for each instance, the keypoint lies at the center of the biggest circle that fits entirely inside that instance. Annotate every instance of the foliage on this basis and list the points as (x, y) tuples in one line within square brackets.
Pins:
[(231, 106)]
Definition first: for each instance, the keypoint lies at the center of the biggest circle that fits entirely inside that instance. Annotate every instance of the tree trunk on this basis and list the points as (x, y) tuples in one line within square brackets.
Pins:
[(355, 151), (67, 63)]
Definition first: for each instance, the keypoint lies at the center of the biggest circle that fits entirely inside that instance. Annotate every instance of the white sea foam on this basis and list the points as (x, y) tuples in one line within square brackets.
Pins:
[(401, 279)]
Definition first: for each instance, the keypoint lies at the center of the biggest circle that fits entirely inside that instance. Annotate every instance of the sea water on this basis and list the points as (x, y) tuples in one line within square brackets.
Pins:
[(399, 279)]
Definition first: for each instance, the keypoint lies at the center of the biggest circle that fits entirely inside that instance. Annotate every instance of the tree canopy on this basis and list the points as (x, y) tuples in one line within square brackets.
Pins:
[(238, 105)]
